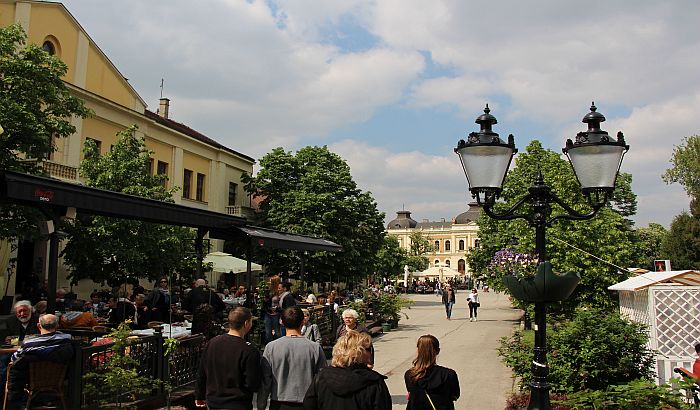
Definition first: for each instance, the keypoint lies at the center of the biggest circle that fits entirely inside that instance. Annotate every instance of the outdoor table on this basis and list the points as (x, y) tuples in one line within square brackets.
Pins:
[(5, 349), (177, 331)]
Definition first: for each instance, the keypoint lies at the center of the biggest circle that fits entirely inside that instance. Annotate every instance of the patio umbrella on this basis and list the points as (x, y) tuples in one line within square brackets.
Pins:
[(224, 262)]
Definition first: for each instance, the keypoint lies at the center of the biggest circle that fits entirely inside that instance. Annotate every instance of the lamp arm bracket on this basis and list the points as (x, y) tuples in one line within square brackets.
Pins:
[(510, 213), (572, 214)]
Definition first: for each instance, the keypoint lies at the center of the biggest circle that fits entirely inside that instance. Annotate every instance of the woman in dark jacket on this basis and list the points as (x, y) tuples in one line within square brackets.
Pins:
[(430, 386), (349, 384)]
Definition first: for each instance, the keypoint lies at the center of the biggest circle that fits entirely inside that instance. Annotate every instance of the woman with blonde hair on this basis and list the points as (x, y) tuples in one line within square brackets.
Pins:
[(430, 386), (349, 384)]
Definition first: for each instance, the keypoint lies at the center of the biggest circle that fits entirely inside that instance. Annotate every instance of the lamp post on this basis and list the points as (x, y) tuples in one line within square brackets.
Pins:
[(595, 158)]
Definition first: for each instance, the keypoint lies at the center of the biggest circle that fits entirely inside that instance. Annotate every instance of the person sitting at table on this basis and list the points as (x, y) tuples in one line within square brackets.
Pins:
[(143, 314), (50, 345), (61, 304), (40, 308), (75, 317), (19, 325), (120, 310)]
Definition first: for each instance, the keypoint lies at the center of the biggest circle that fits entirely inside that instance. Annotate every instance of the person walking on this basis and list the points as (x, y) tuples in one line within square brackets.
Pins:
[(429, 385), (229, 371), (473, 302), (349, 384), (289, 365), (448, 299)]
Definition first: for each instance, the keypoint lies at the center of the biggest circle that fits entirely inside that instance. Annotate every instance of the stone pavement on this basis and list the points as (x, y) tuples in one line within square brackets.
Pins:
[(467, 347)]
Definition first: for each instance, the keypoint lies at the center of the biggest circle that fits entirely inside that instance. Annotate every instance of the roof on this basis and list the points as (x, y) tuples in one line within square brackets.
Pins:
[(681, 277), (403, 220), (56, 197), (180, 127)]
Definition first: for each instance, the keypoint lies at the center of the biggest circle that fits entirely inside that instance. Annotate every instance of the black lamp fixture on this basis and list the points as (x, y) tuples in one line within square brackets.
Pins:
[(595, 159)]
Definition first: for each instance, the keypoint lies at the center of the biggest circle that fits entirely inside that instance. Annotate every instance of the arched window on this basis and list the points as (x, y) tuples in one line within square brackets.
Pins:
[(476, 243), (447, 263), (437, 246), (437, 262), (49, 47), (461, 266), (447, 246), (461, 244)]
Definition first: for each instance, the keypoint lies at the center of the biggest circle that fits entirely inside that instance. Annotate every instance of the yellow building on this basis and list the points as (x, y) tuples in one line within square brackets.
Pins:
[(451, 240), (207, 172)]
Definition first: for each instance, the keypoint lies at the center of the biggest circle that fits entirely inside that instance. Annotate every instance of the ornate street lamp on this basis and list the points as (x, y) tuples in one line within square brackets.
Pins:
[(595, 159)]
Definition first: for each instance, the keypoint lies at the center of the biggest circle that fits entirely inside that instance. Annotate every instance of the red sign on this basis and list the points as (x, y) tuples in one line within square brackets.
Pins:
[(45, 196)]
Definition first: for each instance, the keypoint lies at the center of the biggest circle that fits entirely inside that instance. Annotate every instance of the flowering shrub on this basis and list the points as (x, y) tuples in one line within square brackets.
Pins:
[(509, 262)]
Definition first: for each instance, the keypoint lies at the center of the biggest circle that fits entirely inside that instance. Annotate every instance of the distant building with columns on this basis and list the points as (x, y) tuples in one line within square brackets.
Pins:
[(452, 240)]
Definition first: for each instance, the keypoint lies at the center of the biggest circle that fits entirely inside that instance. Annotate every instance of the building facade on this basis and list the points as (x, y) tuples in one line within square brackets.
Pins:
[(451, 240), (207, 172)]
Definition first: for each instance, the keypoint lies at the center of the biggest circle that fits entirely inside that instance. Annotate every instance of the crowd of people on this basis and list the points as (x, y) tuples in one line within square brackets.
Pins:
[(292, 371)]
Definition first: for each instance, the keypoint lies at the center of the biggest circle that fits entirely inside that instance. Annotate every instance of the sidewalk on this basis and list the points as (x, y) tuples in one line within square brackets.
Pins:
[(467, 347)]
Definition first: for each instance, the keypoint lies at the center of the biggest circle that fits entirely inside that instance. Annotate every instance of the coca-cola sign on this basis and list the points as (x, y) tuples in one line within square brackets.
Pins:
[(43, 195)]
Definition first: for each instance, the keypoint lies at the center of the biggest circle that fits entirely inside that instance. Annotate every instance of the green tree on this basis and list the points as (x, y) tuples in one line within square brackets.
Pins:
[(569, 243), (35, 106), (682, 243), (420, 246), (312, 193), (391, 258), (648, 242), (116, 250), (685, 168)]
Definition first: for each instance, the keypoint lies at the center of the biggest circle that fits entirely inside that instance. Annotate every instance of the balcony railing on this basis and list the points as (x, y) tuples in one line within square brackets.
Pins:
[(242, 211), (56, 170)]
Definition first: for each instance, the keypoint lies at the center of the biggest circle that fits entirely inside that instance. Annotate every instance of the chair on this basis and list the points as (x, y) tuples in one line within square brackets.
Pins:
[(46, 377)]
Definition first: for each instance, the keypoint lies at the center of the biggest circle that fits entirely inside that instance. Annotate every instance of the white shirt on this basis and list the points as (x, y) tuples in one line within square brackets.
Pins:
[(473, 297)]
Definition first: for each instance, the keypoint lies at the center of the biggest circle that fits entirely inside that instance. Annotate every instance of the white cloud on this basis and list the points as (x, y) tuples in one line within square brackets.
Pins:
[(258, 74)]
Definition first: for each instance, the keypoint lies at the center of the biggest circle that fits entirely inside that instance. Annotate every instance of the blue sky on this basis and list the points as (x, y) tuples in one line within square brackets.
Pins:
[(392, 85)]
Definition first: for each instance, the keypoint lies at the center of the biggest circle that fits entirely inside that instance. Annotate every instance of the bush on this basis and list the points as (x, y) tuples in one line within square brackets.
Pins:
[(595, 350), (635, 395), (520, 401)]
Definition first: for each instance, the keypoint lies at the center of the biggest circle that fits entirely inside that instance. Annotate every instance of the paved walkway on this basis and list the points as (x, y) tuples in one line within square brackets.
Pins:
[(467, 347)]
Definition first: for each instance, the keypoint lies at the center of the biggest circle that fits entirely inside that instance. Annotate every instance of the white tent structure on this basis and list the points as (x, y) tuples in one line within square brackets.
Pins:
[(669, 304), (439, 272), (224, 262)]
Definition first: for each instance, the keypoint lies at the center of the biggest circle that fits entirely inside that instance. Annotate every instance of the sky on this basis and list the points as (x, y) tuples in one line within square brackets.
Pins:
[(392, 85)]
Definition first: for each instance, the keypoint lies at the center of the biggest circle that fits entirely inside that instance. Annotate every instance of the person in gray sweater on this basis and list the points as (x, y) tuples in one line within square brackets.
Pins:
[(289, 365)]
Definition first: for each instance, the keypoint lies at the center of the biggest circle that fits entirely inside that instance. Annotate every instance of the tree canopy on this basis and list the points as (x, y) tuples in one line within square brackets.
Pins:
[(117, 250), (35, 108), (648, 242), (685, 166), (569, 243), (312, 193), (391, 258)]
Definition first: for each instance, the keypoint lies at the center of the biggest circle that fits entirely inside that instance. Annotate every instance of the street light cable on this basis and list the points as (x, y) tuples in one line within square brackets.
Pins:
[(593, 256)]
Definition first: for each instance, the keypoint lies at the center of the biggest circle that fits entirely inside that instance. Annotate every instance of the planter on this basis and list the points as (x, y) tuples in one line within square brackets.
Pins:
[(386, 327), (545, 286), (394, 323)]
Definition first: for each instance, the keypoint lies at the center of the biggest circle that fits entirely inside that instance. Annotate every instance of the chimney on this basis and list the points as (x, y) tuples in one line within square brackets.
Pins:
[(164, 107)]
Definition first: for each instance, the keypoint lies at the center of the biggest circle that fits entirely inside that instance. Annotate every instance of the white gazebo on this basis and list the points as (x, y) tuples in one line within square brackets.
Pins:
[(669, 304)]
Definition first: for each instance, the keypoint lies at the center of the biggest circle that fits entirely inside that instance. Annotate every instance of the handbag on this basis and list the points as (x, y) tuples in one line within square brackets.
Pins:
[(429, 400), (478, 304)]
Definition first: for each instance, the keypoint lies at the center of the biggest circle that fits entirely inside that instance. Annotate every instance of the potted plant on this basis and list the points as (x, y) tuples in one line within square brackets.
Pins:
[(117, 383)]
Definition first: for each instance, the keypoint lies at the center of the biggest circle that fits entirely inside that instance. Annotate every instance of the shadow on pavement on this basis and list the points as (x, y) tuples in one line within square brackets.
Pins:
[(399, 399)]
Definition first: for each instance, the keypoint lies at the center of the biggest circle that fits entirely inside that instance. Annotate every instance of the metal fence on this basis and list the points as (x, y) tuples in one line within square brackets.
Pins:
[(175, 372)]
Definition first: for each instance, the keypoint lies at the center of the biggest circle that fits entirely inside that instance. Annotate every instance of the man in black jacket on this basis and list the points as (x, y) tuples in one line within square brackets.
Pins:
[(201, 294), (229, 371)]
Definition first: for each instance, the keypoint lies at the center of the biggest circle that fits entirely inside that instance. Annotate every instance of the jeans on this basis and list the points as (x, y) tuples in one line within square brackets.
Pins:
[(272, 322), (448, 309), (472, 310)]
